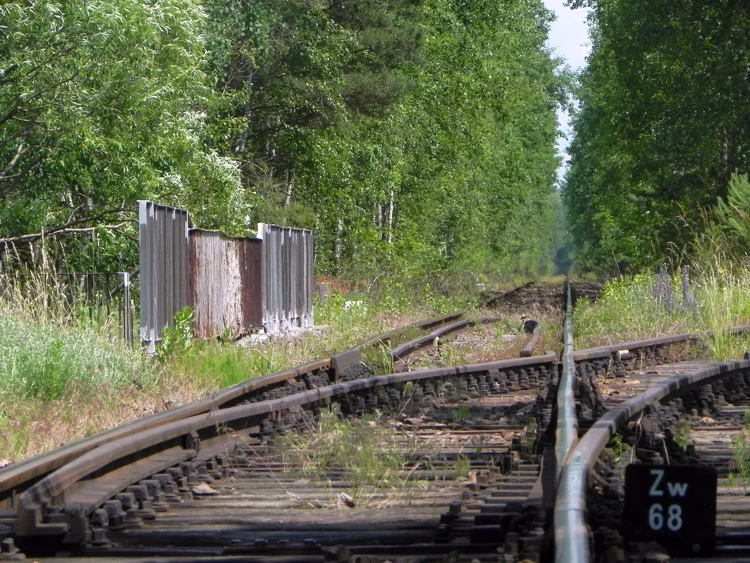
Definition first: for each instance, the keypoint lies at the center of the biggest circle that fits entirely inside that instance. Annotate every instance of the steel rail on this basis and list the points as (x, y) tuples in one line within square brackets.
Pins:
[(566, 433), (79, 487), (17, 477), (425, 325), (352, 357), (572, 542)]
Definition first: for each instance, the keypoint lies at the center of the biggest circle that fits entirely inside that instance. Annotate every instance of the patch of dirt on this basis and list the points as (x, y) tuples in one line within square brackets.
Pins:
[(537, 298), (586, 290), (530, 299)]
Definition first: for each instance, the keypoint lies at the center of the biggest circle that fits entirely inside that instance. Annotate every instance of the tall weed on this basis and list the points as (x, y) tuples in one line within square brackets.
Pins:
[(651, 305), (40, 360), (630, 309), (58, 300)]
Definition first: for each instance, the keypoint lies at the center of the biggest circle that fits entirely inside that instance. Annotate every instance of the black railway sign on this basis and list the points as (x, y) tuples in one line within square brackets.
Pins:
[(674, 505)]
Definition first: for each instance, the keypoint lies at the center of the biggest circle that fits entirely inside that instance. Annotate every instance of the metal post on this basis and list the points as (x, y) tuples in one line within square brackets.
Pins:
[(127, 309)]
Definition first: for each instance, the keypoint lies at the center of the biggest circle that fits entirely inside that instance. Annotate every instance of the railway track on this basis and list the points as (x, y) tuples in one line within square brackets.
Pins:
[(512, 460)]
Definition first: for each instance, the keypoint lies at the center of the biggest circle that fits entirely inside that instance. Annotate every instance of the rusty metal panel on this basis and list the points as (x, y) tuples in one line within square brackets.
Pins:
[(163, 237), (250, 254), (225, 288), (287, 274)]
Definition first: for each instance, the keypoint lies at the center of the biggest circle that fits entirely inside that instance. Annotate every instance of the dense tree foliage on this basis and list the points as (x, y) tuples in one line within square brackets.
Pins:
[(664, 122), (417, 133), (100, 104), (411, 135)]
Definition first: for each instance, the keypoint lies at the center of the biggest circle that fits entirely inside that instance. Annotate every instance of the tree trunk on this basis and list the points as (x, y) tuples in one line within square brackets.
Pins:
[(289, 189), (339, 240), (390, 218)]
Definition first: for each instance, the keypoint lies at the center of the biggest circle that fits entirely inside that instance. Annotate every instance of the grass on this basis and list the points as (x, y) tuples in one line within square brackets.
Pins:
[(739, 477), (627, 310), (367, 451), (43, 360), (64, 373), (652, 305), (211, 366), (462, 466), (379, 462), (725, 294), (378, 358)]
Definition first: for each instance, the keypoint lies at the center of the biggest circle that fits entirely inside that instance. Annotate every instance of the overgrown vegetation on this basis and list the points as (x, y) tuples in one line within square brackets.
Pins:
[(65, 374), (51, 340), (650, 305), (366, 450), (43, 361)]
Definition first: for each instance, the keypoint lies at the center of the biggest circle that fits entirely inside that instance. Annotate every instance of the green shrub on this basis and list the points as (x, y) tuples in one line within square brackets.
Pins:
[(177, 338)]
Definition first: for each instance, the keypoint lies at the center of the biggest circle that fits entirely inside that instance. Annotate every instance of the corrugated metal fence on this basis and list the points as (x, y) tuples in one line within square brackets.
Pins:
[(163, 237), (287, 285), (233, 284)]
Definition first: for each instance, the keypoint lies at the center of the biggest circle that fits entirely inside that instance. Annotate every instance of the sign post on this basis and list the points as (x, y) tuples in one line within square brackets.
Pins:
[(674, 505)]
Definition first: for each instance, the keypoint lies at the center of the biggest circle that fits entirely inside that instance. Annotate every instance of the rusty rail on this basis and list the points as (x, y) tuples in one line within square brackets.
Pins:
[(353, 356), (399, 353), (607, 351), (82, 485)]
